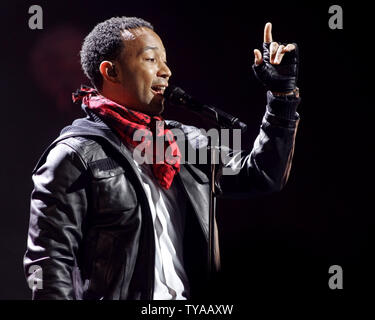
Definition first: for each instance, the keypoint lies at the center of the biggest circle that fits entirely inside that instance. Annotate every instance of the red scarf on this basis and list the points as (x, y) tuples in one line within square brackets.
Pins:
[(125, 122)]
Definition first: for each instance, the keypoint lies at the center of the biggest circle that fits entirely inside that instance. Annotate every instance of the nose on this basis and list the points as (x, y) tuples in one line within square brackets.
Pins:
[(164, 71)]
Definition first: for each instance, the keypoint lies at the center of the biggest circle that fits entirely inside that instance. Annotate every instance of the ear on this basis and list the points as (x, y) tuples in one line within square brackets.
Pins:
[(109, 72)]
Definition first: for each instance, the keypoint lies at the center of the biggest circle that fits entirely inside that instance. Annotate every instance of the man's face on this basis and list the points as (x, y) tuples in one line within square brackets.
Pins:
[(143, 72)]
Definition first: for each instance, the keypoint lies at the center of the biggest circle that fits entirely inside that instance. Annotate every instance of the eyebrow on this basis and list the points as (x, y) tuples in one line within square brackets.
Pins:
[(149, 48)]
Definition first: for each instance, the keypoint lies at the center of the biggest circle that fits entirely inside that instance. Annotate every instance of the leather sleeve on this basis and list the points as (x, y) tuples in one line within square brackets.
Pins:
[(266, 167), (58, 206)]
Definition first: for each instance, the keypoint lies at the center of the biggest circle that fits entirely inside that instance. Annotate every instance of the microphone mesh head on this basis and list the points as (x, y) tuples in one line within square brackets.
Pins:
[(174, 95), (168, 91)]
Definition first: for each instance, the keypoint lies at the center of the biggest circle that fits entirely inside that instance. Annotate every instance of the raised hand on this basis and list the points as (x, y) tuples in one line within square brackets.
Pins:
[(277, 69)]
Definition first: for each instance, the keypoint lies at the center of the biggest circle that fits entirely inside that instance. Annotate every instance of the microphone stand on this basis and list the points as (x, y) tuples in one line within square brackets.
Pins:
[(212, 202), (212, 214), (178, 97)]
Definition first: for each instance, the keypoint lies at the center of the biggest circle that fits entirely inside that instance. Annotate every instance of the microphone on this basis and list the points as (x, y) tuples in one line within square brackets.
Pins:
[(175, 96)]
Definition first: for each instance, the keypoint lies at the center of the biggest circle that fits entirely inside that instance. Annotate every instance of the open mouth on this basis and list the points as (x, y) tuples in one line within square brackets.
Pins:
[(158, 89)]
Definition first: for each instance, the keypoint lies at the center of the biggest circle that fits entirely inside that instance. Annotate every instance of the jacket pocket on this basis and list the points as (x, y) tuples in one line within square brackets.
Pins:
[(111, 190)]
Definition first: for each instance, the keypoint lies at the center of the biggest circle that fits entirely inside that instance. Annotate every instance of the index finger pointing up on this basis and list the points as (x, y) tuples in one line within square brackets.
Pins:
[(268, 32)]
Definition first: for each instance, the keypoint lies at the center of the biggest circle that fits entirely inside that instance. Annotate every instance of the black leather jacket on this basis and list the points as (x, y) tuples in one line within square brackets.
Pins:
[(91, 230)]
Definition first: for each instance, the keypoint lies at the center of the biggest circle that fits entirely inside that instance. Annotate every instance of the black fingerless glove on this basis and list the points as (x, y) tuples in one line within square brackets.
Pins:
[(278, 77)]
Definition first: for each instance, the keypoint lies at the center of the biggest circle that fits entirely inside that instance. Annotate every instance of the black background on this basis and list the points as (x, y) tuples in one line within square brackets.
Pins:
[(274, 246)]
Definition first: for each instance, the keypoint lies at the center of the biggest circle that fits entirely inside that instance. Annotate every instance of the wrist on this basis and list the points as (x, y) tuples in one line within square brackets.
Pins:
[(283, 106), (289, 93)]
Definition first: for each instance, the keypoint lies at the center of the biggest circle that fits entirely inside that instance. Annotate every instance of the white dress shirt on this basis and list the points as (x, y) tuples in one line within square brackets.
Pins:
[(168, 209)]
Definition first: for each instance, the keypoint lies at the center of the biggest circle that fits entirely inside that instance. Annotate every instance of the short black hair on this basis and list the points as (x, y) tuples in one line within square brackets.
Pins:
[(105, 42)]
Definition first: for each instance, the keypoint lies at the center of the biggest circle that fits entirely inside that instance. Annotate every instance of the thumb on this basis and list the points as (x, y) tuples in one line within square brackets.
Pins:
[(257, 57)]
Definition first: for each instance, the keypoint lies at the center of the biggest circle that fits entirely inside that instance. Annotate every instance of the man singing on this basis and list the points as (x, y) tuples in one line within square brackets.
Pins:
[(102, 225)]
